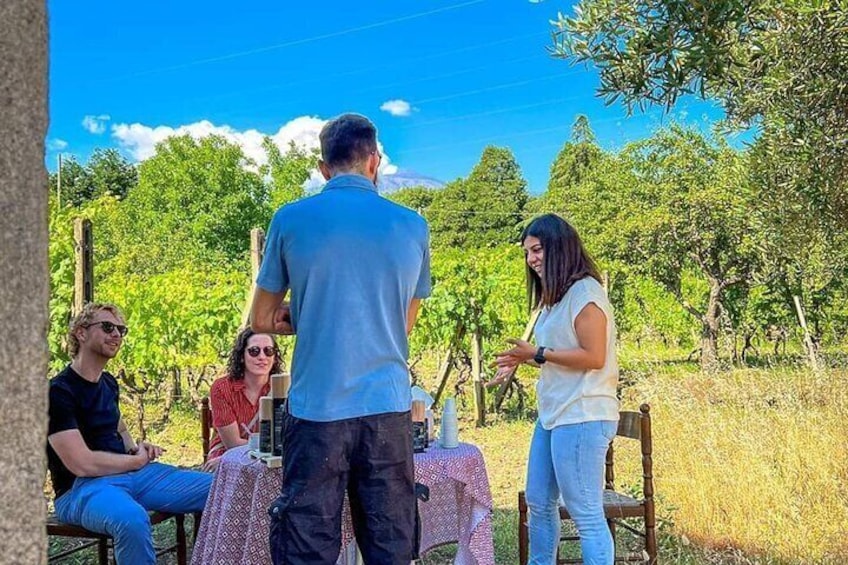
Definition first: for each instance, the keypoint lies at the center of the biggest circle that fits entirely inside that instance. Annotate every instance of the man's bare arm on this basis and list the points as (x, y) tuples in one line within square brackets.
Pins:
[(412, 314), (129, 442), (231, 435), (83, 462), (269, 314)]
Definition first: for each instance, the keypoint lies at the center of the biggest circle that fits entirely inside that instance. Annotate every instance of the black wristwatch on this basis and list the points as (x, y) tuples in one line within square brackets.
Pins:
[(539, 358)]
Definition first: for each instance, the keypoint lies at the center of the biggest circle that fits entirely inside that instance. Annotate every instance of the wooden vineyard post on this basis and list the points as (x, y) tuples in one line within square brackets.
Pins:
[(445, 367), (526, 336), (808, 341), (477, 376), (257, 248), (84, 260)]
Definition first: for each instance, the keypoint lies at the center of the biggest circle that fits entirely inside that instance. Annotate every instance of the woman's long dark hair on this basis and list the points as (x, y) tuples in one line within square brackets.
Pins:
[(235, 364), (566, 261)]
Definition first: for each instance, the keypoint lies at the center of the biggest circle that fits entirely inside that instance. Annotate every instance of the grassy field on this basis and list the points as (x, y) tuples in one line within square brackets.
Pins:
[(751, 465)]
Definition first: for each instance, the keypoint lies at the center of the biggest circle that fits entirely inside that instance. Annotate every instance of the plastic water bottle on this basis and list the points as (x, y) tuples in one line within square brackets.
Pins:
[(450, 425)]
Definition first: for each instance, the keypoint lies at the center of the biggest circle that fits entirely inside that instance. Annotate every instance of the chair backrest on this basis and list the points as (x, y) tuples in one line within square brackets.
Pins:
[(635, 426), (205, 426)]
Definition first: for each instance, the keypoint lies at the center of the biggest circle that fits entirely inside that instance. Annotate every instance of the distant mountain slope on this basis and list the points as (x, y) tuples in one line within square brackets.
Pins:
[(404, 178)]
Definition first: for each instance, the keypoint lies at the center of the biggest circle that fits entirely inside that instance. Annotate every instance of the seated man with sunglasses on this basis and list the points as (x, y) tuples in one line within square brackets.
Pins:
[(103, 480)]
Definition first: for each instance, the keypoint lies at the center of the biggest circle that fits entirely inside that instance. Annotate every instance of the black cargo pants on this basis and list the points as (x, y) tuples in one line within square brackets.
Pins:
[(370, 458)]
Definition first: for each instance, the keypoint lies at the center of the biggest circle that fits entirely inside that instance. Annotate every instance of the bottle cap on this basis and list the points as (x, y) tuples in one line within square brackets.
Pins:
[(418, 411), (280, 385), (266, 408)]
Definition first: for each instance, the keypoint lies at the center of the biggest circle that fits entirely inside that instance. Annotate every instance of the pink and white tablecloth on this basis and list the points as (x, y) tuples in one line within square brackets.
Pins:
[(234, 530)]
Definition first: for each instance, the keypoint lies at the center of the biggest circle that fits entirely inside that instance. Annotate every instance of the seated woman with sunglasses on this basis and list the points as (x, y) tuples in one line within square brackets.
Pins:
[(234, 398)]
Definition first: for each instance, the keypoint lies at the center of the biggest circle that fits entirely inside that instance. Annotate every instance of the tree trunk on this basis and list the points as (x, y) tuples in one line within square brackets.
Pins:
[(170, 396), (710, 329), (195, 379), (191, 382), (748, 345), (139, 416), (135, 394), (447, 364), (25, 291), (176, 385)]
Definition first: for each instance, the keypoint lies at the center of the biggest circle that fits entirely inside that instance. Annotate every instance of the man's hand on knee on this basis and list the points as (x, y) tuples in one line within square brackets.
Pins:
[(153, 452)]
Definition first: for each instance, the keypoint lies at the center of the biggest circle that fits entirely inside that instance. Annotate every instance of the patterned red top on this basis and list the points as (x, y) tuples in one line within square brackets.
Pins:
[(229, 404)]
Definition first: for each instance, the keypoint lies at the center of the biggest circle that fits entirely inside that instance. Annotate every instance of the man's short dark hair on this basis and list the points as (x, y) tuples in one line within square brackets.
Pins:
[(347, 141)]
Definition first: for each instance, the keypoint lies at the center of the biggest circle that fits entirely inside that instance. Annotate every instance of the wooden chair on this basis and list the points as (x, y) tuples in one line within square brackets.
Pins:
[(205, 426), (617, 506), (103, 541), (205, 439)]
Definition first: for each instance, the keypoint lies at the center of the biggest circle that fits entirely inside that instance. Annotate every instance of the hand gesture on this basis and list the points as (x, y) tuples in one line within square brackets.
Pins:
[(521, 351), (282, 320), (500, 377), (211, 465), (153, 452), (140, 455)]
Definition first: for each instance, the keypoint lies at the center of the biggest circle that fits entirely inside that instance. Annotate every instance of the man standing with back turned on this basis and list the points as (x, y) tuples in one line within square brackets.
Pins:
[(357, 266)]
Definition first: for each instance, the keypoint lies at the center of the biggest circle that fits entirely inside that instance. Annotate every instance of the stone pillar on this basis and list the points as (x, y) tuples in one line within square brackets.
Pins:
[(24, 288)]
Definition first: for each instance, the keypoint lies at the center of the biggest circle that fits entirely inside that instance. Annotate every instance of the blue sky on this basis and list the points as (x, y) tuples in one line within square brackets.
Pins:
[(451, 77)]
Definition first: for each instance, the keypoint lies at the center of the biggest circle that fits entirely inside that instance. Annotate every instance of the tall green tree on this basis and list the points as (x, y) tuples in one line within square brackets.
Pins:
[(196, 200), (579, 160), (780, 65), (288, 171), (692, 212), (418, 198), (107, 172), (484, 209), (110, 173), (590, 188), (677, 209), (73, 186)]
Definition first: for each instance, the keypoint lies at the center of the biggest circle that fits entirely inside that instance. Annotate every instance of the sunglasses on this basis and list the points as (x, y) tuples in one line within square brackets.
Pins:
[(267, 350), (109, 327)]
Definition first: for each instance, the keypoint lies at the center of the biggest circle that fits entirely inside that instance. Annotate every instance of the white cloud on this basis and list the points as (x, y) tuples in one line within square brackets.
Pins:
[(314, 182), (140, 140), (56, 144), (95, 124), (397, 108), (303, 131)]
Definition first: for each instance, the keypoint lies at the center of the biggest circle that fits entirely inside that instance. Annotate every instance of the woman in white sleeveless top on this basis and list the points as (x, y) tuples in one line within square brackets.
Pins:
[(576, 391)]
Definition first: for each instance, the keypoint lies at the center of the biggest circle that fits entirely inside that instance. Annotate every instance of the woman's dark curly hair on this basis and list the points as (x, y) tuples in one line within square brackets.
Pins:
[(235, 364)]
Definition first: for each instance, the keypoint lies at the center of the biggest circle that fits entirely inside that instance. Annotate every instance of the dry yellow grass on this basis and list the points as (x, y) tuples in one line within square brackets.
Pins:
[(753, 460), (751, 465)]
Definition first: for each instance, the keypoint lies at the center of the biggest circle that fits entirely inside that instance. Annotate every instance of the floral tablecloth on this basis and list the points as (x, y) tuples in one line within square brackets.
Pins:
[(234, 530)]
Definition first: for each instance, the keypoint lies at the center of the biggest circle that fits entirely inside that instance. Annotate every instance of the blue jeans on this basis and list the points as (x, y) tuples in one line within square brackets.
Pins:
[(117, 505), (569, 461)]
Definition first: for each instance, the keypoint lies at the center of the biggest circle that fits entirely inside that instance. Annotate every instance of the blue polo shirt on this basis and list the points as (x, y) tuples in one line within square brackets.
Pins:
[(353, 262)]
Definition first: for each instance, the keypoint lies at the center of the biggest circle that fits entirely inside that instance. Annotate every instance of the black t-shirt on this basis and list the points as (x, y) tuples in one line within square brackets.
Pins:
[(91, 408)]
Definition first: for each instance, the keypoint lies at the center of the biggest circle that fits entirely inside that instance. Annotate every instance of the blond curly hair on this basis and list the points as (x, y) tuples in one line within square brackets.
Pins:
[(84, 318)]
